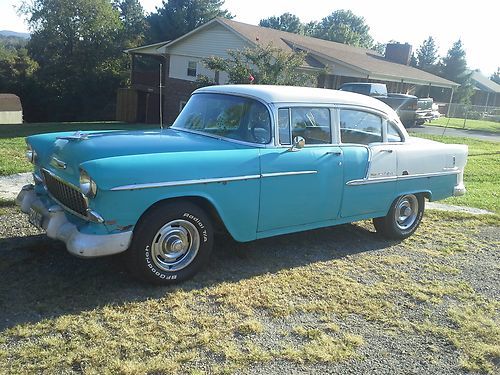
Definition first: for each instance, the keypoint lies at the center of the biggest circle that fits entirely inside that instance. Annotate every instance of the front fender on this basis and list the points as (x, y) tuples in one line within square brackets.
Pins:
[(129, 185)]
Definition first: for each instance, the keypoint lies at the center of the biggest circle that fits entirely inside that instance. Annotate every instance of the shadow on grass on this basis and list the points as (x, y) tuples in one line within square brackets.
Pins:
[(41, 280)]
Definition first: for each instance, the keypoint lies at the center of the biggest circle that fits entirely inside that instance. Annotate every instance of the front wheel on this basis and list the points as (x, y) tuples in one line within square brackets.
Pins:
[(403, 218), (170, 244)]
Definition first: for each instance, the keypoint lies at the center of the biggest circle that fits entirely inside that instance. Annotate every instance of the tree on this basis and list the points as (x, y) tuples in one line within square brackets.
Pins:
[(133, 20), (495, 77), (379, 47), (454, 68), (80, 61), (178, 17), (266, 65), (427, 55), (344, 26), (286, 22)]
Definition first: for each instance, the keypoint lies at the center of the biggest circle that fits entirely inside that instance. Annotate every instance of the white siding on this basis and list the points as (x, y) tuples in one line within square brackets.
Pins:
[(214, 41), (11, 117)]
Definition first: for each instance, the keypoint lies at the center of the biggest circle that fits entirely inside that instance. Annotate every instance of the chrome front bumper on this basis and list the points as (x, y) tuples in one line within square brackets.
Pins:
[(57, 226)]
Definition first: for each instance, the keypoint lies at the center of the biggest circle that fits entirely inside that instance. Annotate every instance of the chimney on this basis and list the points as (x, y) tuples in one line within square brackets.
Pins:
[(398, 53)]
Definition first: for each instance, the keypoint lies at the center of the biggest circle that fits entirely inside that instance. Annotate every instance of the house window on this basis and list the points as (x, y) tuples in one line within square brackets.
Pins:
[(191, 70)]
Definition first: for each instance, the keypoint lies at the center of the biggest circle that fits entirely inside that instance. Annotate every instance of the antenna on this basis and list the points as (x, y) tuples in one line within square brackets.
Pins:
[(161, 109)]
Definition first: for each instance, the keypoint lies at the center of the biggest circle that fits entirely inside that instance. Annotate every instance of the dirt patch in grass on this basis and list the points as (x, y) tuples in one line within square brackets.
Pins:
[(338, 299)]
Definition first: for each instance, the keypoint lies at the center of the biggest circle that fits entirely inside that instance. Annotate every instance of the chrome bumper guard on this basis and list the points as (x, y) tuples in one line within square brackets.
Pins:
[(57, 226), (459, 190)]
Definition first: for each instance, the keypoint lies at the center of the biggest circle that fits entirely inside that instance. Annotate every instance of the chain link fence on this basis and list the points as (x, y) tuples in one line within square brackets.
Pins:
[(473, 112)]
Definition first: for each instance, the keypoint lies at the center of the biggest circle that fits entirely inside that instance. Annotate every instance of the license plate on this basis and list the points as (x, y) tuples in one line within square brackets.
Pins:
[(35, 218)]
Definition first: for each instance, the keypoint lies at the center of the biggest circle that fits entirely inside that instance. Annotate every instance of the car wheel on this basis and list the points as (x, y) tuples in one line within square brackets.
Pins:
[(170, 243), (403, 218)]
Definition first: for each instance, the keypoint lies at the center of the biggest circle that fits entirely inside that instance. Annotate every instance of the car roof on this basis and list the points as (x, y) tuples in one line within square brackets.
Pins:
[(295, 94)]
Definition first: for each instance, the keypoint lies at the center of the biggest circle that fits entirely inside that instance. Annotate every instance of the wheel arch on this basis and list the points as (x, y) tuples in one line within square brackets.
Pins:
[(202, 202)]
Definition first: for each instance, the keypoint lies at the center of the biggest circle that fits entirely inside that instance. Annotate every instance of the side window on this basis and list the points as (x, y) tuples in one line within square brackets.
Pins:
[(313, 124), (360, 127), (393, 134), (284, 126), (191, 70)]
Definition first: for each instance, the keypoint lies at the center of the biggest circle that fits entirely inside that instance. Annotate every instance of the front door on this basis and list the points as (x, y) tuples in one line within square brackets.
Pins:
[(305, 186)]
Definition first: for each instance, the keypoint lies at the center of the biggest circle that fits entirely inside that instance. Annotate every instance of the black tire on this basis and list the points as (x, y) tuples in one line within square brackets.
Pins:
[(170, 243), (397, 224)]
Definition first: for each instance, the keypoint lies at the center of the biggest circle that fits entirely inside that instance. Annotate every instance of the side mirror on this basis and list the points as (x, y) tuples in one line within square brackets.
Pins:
[(298, 143)]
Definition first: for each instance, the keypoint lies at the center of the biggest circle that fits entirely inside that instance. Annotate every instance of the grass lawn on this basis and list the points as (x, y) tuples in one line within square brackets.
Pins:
[(13, 146), (482, 173), (458, 123), (322, 301)]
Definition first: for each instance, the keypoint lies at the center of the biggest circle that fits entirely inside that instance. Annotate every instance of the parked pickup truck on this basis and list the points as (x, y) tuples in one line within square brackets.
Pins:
[(411, 110)]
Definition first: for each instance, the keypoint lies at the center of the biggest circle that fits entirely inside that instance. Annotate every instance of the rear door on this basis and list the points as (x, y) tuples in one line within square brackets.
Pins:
[(370, 162)]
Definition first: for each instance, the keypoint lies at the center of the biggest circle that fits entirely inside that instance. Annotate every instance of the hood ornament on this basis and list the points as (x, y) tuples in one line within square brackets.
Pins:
[(76, 136)]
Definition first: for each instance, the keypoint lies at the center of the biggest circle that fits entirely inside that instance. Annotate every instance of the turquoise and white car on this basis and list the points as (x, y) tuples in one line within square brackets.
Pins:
[(255, 161)]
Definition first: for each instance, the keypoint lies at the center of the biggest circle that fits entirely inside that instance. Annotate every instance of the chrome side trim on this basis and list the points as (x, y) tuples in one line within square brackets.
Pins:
[(207, 180), (184, 182), (368, 181), (277, 174)]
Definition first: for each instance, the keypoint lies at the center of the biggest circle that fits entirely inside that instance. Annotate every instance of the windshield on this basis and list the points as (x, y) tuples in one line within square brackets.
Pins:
[(229, 116)]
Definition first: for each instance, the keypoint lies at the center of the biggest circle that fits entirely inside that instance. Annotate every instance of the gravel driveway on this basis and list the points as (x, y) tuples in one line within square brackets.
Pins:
[(334, 301)]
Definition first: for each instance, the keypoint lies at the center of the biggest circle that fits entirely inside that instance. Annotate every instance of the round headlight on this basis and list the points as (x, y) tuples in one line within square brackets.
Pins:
[(30, 154), (87, 185)]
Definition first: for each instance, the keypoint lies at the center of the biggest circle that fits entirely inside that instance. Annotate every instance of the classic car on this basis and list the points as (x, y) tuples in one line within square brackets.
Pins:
[(255, 161)]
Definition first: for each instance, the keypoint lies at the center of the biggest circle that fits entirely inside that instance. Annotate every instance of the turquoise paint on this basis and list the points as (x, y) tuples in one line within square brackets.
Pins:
[(250, 209), (363, 199), (300, 199), (317, 225)]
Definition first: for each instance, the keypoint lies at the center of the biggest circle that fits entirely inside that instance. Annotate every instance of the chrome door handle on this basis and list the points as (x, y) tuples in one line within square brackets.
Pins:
[(337, 153), (388, 150)]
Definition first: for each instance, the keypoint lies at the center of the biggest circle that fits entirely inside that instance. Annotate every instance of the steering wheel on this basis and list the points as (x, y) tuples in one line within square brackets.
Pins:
[(260, 134)]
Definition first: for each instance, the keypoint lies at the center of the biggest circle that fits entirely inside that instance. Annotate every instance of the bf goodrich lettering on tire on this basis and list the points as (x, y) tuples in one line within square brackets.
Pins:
[(170, 243)]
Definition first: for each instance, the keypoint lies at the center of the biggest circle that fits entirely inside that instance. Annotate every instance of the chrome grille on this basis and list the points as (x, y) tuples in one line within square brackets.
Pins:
[(65, 194)]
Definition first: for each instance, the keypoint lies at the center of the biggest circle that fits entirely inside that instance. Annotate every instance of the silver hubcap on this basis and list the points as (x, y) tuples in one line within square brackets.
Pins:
[(406, 211), (175, 245)]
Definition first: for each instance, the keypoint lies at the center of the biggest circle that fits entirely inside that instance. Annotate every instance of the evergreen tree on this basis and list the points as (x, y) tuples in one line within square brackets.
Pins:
[(454, 68), (134, 22), (178, 17), (495, 77), (427, 55)]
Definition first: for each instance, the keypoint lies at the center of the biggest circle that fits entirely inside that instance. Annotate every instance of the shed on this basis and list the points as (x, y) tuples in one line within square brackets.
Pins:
[(11, 110)]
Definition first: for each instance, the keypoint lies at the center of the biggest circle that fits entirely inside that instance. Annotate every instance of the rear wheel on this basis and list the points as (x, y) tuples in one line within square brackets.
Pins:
[(170, 243), (403, 218)]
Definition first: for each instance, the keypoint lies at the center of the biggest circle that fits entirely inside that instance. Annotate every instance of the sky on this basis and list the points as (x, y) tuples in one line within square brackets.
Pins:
[(475, 23)]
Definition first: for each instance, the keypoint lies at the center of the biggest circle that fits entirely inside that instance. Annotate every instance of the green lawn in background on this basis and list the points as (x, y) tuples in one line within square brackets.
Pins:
[(458, 123), (13, 146), (482, 173)]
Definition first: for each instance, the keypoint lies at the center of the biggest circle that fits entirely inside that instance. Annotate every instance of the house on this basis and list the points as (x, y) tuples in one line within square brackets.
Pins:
[(11, 111), (178, 62), (486, 92)]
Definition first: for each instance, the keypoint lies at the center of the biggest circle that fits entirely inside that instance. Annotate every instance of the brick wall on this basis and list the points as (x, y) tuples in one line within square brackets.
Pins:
[(176, 91)]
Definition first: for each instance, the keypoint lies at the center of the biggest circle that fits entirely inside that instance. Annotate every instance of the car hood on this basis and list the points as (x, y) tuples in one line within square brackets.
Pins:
[(66, 151)]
